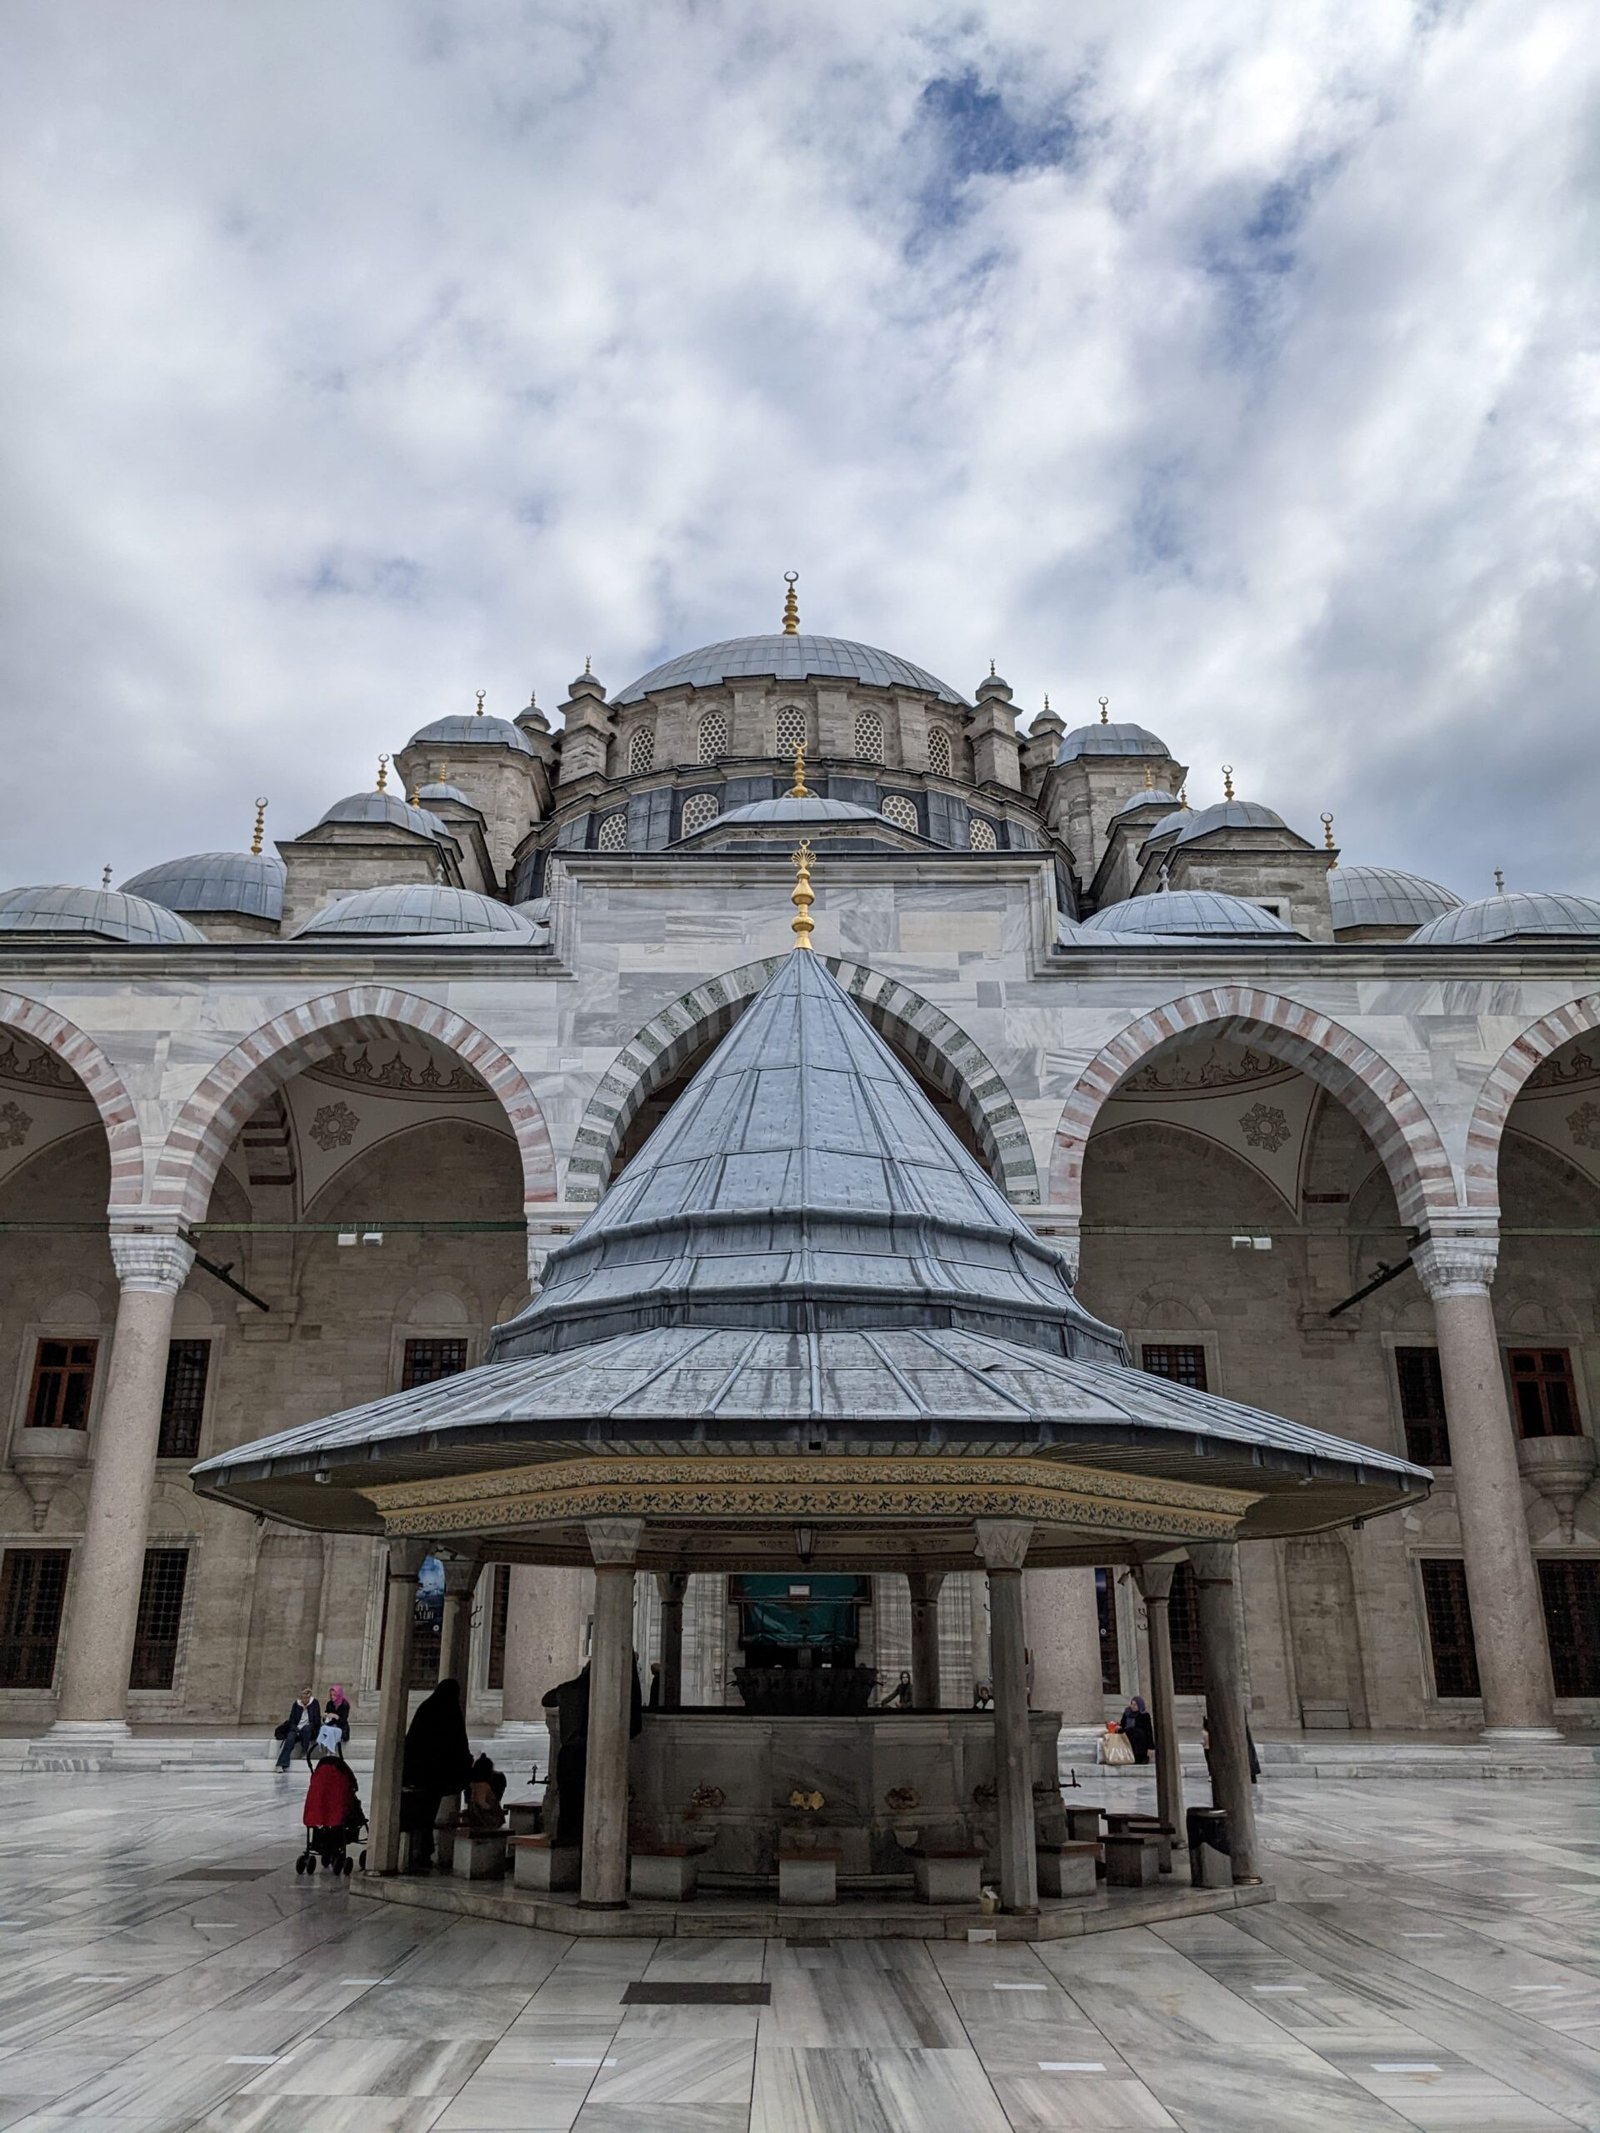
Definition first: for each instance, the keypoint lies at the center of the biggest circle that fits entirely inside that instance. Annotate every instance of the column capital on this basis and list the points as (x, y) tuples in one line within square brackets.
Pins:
[(1154, 1581), (405, 1560), (1456, 1262), (1002, 1542), (156, 1260), (461, 1572), (614, 1542), (672, 1585), (1214, 1561)]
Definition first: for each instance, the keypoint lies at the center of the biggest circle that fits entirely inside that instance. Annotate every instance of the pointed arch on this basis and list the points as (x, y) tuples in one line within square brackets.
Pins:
[(1504, 1083), (232, 1091), (105, 1085), (1391, 1114), (940, 1048)]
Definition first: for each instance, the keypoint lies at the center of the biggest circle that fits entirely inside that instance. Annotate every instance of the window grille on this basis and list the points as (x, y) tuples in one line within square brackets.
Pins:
[(869, 737), (941, 757), (499, 1615), (900, 811), (183, 1399), (1455, 1654), (1570, 1588), (713, 736), (1422, 1405), (614, 834), (790, 731), (1183, 1624), (1547, 1400), (63, 1380), (426, 1361), (427, 1630), (33, 1585), (1105, 1600), (981, 836), (155, 1634), (699, 809), (642, 750), (1168, 1359)]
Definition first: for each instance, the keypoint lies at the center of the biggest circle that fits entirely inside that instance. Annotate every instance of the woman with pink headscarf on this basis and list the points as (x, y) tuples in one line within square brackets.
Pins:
[(336, 1711)]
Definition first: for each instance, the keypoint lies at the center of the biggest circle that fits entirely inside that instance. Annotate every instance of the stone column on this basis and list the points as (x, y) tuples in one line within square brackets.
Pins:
[(1222, 1657), (1003, 1545), (978, 1620), (614, 1544), (461, 1574), (672, 1585), (925, 1587), (544, 1635), (1064, 1637), (1155, 1584), (1502, 1586), (108, 1565), (394, 1703)]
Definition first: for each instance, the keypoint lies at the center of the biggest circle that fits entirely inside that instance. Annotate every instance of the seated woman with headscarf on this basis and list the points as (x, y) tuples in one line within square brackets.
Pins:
[(438, 1764), (1140, 1729)]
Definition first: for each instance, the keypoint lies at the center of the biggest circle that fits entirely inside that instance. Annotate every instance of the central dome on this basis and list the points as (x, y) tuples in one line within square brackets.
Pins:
[(787, 659)]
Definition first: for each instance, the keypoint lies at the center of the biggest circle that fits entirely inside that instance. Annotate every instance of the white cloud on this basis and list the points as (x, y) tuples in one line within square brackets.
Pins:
[(1228, 360)]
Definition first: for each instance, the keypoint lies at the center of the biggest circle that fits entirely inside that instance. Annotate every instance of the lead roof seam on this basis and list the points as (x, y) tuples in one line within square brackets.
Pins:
[(919, 1406), (934, 1336), (736, 1372)]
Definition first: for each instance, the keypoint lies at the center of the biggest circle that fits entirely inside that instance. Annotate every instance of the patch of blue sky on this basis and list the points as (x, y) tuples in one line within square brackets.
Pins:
[(1251, 261), (965, 130), (395, 579)]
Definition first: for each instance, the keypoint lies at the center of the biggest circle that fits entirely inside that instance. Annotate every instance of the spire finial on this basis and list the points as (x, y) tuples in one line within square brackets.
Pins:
[(799, 790), (105, 875), (1328, 844), (791, 606), (586, 666), (383, 773), (1047, 699), (1105, 710), (1227, 781), (801, 897), (482, 693), (1149, 778), (1183, 797), (1499, 881), (261, 824), (414, 796)]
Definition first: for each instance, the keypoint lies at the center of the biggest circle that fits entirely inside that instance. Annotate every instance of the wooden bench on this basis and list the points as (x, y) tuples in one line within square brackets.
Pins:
[(1133, 1860), (539, 1864), (947, 1876), (1084, 1822), (525, 1818), (1069, 1869), (664, 1875), (808, 1877), (1146, 1826)]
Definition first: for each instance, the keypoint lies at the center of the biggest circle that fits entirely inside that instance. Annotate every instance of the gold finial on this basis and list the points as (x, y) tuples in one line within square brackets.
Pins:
[(414, 796), (1328, 844), (1183, 796), (1105, 710), (802, 898), (105, 875), (383, 773), (1149, 779), (1227, 781), (261, 824), (799, 790), (482, 693), (791, 606), (1499, 881)]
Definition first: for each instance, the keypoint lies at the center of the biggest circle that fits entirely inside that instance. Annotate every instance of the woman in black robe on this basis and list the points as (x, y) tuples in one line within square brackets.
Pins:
[(1140, 1729), (438, 1762)]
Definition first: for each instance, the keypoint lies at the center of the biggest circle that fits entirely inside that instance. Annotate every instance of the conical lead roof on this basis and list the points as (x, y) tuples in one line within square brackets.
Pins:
[(802, 1182)]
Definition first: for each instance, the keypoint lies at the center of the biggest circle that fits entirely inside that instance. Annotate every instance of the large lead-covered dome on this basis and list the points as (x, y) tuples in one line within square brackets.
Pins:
[(787, 659), (107, 914), (1523, 914), (250, 883)]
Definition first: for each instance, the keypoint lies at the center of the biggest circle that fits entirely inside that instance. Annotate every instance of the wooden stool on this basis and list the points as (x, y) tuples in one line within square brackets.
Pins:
[(1133, 1861)]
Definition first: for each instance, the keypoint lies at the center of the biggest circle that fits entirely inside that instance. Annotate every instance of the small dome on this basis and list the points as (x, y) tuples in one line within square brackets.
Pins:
[(992, 684), (104, 914), (247, 882), (448, 792), (1226, 815), (790, 813), (1383, 896), (1523, 914), (418, 907), (1157, 797), (384, 807), (787, 659), (469, 729), (1186, 913), (1111, 739)]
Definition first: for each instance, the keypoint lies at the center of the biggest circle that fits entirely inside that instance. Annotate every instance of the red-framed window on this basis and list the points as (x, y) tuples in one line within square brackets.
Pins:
[(1542, 1392), (63, 1383)]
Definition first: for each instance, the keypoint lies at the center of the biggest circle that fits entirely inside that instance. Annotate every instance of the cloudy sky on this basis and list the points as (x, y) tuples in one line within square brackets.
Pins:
[(1235, 361)]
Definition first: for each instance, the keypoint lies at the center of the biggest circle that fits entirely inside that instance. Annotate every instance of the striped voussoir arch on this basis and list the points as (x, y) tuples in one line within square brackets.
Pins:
[(1388, 1110), (1579, 1018), (80, 1052), (232, 1091)]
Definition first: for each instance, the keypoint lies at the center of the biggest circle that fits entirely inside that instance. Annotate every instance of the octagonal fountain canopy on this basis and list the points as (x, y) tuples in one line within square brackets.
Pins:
[(804, 1306)]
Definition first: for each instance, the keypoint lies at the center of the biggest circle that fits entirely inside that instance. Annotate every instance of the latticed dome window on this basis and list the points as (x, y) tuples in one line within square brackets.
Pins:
[(790, 731), (614, 834), (901, 812), (699, 809), (941, 758), (642, 750), (981, 837), (713, 736), (869, 737)]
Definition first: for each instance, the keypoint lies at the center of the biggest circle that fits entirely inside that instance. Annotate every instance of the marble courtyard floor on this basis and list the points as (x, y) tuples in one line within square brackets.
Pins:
[(1433, 1962)]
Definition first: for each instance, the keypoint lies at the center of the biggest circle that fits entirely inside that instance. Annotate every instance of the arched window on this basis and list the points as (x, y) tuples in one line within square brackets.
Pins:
[(789, 733), (614, 834), (641, 750), (699, 809), (941, 760), (713, 736), (869, 737), (901, 812), (981, 836)]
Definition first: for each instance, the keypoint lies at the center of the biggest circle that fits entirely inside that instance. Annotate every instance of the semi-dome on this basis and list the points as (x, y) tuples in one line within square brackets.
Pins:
[(438, 791), (418, 907), (787, 659), (248, 882), (1187, 913), (789, 812), (1384, 896), (385, 808), (104, 914), (472, 729), (1110, 738), (1521, 914), (1225, 815)]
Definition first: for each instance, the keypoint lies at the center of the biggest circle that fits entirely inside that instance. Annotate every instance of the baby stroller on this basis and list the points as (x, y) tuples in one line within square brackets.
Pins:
[(333, 1819)]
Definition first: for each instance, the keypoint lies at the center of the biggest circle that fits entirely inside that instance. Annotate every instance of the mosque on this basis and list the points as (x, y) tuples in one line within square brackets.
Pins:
[(288, 1130)]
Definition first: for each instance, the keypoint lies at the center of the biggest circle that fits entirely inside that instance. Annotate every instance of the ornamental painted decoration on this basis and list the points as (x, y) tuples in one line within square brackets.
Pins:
[(1584, 1125), (1265, 1127), (334, 1126), (15, 1125)]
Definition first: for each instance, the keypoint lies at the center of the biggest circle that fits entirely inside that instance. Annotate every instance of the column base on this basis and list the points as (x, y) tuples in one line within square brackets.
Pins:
[(80, 1743), (1522, 1734), (90, 1730)]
